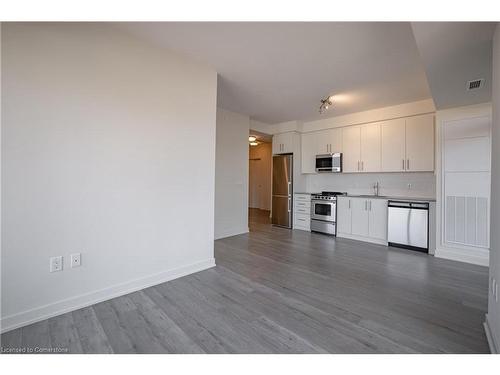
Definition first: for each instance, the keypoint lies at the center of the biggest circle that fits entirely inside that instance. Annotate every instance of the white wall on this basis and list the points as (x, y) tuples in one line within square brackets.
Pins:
[(471, 184), (260, 126), (231, 174), (493, 318), (108, 149)]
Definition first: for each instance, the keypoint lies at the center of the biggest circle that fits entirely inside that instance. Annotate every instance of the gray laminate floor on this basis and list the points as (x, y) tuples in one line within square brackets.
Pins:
[(281, 291)]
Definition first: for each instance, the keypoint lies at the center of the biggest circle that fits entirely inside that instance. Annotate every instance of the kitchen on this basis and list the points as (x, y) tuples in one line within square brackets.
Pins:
[(374, 177)]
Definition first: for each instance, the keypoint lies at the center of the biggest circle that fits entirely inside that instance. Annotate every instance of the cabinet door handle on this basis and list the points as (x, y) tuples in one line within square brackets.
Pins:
[(370, 205), (362, 165), (349, 204), (366, 205), (358, 165), (408, 164), (403, 164)]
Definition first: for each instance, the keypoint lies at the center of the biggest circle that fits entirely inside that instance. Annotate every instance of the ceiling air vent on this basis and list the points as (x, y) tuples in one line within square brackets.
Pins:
[(475, 84)]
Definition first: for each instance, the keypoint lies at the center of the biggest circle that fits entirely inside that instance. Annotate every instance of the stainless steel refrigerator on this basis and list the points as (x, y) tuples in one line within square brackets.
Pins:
[(282, 190)]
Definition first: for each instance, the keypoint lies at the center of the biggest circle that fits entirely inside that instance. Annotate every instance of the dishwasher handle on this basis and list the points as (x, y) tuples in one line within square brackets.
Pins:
[(412, 205)]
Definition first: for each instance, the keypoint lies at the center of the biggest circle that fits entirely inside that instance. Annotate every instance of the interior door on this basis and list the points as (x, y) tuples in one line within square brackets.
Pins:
[(393, 145), (253, 191), (351, 145)]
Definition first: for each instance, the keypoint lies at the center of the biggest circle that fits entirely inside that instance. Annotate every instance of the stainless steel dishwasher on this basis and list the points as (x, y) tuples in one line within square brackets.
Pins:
[(408, 225)]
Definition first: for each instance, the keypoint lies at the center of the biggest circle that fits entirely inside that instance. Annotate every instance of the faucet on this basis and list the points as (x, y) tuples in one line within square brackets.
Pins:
[(376, 188)]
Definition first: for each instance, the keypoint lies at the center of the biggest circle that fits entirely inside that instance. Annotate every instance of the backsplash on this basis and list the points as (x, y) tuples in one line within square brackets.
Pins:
[(391, 184)]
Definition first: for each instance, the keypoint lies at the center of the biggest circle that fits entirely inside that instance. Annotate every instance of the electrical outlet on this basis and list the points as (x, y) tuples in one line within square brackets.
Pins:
[(76, 260), (409, 186), (56, 264)]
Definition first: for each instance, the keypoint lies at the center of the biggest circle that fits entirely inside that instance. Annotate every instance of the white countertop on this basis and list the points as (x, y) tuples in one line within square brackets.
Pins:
[(391, 197), (388, 197)]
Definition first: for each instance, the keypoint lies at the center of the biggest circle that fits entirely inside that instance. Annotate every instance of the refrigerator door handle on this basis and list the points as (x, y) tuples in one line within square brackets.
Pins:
[(289, 204)]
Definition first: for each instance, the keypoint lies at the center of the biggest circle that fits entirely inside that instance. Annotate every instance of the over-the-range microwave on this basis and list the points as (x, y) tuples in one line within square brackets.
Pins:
[(329, 163)]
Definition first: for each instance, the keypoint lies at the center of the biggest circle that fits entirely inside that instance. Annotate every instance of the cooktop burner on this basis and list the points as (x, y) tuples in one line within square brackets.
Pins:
[(328, 195)]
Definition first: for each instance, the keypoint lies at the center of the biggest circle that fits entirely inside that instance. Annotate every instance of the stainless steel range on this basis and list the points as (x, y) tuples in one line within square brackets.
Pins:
[(324, 212)]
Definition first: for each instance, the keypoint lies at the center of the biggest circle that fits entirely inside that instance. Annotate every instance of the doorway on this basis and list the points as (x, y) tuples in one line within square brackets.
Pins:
[(260, 177)]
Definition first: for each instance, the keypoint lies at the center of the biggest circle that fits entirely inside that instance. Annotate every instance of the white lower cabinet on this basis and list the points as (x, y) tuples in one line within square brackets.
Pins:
[(359, 217), (377, 219), (344, 215), (302, 212), (363, 219)]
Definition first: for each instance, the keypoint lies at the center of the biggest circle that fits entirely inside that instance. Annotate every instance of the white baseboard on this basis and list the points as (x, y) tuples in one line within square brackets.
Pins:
[(494, 345), (74, 303), (362, 239), (480, 258), (230, 233)]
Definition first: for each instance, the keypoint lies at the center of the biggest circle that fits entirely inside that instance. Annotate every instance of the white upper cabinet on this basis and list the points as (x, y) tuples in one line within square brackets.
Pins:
[(399, 145), (420, 143), (393, 145), (361, 148), (283, 143), (330, 141), (370, 148), (351, 148), (318, 143)]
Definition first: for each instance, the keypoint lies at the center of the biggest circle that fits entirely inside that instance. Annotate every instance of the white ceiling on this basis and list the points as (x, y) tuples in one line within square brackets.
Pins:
[(454, 53), (276, 72)]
